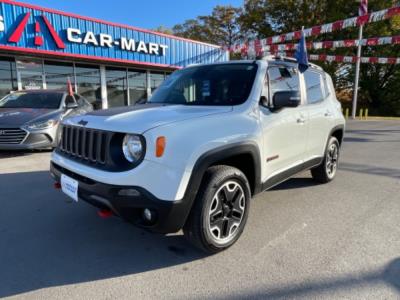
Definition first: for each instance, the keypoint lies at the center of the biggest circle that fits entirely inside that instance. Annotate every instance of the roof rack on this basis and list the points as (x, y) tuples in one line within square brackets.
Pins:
[(287, 59)]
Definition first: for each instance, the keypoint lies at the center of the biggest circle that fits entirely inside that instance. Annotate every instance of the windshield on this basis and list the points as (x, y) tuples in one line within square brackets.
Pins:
[(228, 84), (32, 100)]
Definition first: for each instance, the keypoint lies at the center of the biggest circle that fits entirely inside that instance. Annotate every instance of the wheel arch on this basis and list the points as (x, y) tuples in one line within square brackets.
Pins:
[(337, 132), (244, 156)]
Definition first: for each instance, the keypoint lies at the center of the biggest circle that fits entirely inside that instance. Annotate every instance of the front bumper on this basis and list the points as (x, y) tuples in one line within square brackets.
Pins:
[(33, 140), (170, 216)]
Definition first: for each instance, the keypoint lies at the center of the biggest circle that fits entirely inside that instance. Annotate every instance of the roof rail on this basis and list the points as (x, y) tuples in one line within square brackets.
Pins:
[(288, 59)]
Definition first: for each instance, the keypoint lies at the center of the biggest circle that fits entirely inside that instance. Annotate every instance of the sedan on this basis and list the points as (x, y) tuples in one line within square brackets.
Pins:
[(30, 119)]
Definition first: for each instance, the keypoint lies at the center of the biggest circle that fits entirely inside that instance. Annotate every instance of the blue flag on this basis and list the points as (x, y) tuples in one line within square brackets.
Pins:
[(301, 54)]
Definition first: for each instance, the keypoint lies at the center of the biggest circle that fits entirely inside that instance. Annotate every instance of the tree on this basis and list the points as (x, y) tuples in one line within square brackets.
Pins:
[(221, 27), (255, 20), (379, 84), (163, 29)]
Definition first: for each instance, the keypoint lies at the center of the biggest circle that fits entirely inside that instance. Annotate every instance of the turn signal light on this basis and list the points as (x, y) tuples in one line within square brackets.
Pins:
[(160, 146)]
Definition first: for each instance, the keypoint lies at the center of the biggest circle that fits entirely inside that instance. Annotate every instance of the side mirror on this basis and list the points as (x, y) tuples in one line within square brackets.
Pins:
[(71, 105), (286, 99)]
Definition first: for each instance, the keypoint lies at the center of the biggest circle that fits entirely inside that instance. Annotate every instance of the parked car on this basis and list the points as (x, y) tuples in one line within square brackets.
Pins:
[(210, 138), (30, 119)]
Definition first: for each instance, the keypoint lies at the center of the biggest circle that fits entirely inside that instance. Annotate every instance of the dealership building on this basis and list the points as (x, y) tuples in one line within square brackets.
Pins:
[(113, 64)]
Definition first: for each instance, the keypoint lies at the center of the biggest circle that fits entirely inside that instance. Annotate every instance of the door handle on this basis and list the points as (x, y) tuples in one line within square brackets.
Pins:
[(328, 114)]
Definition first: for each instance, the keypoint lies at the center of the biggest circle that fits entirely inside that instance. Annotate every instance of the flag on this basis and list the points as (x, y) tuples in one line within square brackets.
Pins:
[(301, 53), (69, 87), (363, 10)]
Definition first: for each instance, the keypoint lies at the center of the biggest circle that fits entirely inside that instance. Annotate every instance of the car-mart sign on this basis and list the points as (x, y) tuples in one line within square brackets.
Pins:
[(75, 35), (27, 29), (106, 40)]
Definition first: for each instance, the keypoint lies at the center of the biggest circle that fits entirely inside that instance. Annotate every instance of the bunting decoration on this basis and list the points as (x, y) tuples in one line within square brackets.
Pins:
[(317, 30), (353, 59), (376, 41)]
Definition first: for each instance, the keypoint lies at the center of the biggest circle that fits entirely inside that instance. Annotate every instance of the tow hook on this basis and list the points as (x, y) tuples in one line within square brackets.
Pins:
[(105, 213), (57, 185)]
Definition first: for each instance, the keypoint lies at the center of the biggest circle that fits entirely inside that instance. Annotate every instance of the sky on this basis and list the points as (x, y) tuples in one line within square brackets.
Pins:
[(147, 14)]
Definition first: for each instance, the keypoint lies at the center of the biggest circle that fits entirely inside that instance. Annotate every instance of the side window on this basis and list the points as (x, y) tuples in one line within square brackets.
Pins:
[(282, 79), (315, 87)]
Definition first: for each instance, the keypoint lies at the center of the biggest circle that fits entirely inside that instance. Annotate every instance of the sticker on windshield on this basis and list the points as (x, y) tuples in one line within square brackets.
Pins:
[(206, 88)]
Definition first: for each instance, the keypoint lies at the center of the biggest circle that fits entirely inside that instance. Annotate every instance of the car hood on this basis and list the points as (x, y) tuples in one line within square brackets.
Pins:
[(143, 117), (16, 117)]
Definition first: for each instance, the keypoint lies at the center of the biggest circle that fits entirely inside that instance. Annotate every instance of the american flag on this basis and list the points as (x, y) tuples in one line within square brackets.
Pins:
[(363, 8)]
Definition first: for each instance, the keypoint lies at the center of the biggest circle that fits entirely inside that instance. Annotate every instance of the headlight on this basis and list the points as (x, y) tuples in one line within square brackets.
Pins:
[(42, 125), (132, 147)]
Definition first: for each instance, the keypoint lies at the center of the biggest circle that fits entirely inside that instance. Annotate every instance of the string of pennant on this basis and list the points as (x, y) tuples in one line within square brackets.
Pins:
[(257, 46), (353, 59), (376, 41)]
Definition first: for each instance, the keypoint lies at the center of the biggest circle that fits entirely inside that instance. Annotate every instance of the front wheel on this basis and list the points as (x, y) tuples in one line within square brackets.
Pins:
[(326, 171), (220, 212)]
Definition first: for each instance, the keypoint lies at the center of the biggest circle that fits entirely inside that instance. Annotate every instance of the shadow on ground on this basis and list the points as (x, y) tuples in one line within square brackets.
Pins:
[(371, 170), (19, 153), (388, 275), (296, 183), (47, 242)]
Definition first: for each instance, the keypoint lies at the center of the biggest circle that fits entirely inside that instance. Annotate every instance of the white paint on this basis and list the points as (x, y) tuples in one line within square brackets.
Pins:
[(73, 35), (106, 40), (2, 27), (90, 38), (142, 47)]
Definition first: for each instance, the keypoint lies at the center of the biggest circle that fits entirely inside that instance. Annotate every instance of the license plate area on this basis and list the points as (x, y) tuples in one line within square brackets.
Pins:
[(70, 187)]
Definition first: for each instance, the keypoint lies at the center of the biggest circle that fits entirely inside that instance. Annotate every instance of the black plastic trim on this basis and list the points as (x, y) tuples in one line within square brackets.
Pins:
[(281, 177), (211, 158), (114, 159), (336, 128), (170, 215)]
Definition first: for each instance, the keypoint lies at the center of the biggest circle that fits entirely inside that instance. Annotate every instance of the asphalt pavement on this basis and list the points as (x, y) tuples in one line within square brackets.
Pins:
[(302, 240)]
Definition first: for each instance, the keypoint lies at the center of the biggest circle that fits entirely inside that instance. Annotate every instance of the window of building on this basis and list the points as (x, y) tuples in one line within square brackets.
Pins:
[(117, 87), (8, 76), (314, 86), (283, 79), (137, 86), (156, 78), (57, 75), (88, 82), (31, 72)]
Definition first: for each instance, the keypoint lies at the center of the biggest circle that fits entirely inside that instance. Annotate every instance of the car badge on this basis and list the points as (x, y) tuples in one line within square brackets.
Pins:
[(83, 122)]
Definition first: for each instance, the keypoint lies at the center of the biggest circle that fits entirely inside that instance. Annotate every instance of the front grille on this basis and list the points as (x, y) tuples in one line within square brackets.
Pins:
[(12, 136), (90, 145)]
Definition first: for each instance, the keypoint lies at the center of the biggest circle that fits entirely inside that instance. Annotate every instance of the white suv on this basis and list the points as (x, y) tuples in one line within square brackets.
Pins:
[(211, 137)]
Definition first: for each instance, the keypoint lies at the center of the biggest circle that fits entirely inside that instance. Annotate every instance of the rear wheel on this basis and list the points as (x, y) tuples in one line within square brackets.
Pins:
[(326, 171), (220, 212)]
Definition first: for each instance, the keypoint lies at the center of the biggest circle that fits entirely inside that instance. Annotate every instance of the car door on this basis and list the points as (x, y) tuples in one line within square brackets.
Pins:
[(285, 131), (320, 113)]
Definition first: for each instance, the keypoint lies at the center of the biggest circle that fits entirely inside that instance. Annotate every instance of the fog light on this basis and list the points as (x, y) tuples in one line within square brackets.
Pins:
[(129, 193)]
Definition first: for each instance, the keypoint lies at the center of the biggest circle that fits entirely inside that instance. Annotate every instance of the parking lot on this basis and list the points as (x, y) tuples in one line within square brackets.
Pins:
[(302, 240)]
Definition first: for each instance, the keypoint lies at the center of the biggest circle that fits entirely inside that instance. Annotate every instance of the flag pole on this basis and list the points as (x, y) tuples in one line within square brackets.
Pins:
[(357, 79)]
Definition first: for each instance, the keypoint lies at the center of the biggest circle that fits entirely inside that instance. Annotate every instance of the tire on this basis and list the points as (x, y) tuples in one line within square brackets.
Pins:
[(220, 211), (327, 170)]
